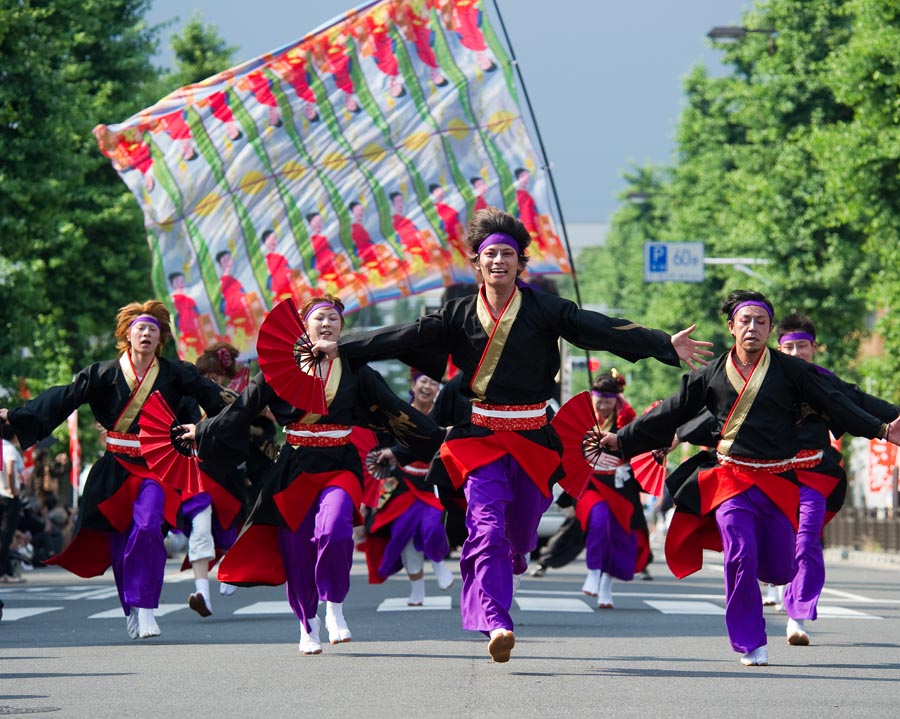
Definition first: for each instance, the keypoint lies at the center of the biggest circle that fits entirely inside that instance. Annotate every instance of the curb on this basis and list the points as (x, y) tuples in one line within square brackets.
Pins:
[(845, 554)]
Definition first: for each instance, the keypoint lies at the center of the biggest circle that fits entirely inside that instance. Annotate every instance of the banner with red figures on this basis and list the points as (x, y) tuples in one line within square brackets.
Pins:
[(348, 162), (883, 461)]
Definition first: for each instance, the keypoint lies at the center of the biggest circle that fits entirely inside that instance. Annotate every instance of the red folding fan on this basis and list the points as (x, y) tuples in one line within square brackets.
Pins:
[(287, 361), (172, 460), (581, 448), (650, 471)]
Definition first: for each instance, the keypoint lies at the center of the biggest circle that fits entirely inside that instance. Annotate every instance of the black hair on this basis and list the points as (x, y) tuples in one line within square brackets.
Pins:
[(490, 220), (739, 296), (795, 322)]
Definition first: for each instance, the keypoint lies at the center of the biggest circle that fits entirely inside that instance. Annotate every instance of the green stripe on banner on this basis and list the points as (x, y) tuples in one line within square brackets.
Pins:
[(334, 197), (251, 237), (374, 111), (410, 79), (447, 62), (493, 42), (326, 114), (158, 273), (207, 271)]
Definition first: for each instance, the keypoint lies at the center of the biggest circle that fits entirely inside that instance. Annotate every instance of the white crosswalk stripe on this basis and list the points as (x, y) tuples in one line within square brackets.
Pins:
[(551, 604), (686, 607), (160, 611), (398, 604), (13, 614)]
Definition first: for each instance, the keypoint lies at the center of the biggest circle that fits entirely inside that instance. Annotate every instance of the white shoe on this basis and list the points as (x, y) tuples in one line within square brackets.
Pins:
[(591, 583), (770, 599), (796, 634), (338, 631), (604, 592), (443, 574), (131, 624), (147, 626), (309, 641), (416, 595), (226, 590), (759, 657)]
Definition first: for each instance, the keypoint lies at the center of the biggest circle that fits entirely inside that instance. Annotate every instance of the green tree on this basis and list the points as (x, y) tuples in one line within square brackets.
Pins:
[(200, 52), (71, 238), (751, 178), (861, 159)]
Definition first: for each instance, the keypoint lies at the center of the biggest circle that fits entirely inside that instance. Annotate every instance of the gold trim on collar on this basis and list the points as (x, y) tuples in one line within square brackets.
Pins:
[(332, 382), (747, 390), (497, 332), (140, 391)]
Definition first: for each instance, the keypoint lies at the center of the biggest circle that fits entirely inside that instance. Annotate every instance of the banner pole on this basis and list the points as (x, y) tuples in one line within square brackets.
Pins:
[(537, 130)]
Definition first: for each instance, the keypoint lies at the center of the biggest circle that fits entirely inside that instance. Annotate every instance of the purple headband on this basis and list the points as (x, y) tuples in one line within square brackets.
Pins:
[(499, 238), (751, 303), (144, 318), (796, 336), (605, 395), (319, 306)]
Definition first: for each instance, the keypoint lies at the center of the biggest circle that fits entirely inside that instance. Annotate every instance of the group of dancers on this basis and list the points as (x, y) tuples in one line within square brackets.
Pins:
[(497, 460)]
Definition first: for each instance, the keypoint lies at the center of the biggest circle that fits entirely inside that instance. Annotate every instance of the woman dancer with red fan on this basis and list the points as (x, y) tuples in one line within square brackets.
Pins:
[(409, 514), (505, 342), (124, 507), (617, 541), (301, 530)]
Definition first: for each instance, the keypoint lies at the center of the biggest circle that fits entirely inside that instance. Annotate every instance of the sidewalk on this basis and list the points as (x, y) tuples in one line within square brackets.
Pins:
[(845, 554)]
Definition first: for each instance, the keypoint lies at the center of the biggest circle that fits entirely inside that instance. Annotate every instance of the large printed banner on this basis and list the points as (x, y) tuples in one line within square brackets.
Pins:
[(348, 162)]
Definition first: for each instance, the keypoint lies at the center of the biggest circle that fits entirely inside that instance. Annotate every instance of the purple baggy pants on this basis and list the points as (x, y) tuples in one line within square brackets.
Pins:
[(422, 524), (801, 596), (608, 547), (504, 509), (318, 556), (758, 545), (138, 555)]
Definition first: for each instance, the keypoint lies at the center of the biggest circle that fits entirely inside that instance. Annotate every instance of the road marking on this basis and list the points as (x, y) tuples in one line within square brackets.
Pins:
[(705, 608), (14, 614), (550, 604), (60, 594), (829, 612), (158, 612), (625, 593), (398, 604), (848, 596), (265, 608)]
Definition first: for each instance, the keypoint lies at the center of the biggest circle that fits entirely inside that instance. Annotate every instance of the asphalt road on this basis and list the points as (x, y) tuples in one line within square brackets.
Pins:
[(662, 652)]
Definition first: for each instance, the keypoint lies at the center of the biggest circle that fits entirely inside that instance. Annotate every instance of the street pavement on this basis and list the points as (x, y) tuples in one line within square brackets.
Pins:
[(662, 652)]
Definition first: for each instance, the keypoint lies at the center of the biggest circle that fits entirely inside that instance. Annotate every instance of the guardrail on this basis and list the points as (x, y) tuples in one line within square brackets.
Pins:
[(863, 530)]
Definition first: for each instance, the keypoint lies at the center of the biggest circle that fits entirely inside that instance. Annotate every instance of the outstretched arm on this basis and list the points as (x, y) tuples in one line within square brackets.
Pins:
[(691, 351)]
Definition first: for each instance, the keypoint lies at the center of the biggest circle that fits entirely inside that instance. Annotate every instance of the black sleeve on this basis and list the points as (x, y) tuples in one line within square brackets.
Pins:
[(657, 428), (383, 411)]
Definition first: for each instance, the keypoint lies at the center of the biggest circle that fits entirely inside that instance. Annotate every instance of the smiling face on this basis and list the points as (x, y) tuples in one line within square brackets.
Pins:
[(499, 265), (750, 327), (604, 406), (424, 391), (324, 324), (144, 338)]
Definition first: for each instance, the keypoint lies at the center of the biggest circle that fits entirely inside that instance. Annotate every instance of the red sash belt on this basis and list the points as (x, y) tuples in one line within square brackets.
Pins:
[(317, 435), (509, 417), (123, 443)]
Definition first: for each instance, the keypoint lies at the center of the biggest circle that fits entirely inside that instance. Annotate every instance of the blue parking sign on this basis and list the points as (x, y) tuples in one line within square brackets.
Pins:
[(658, 260)]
